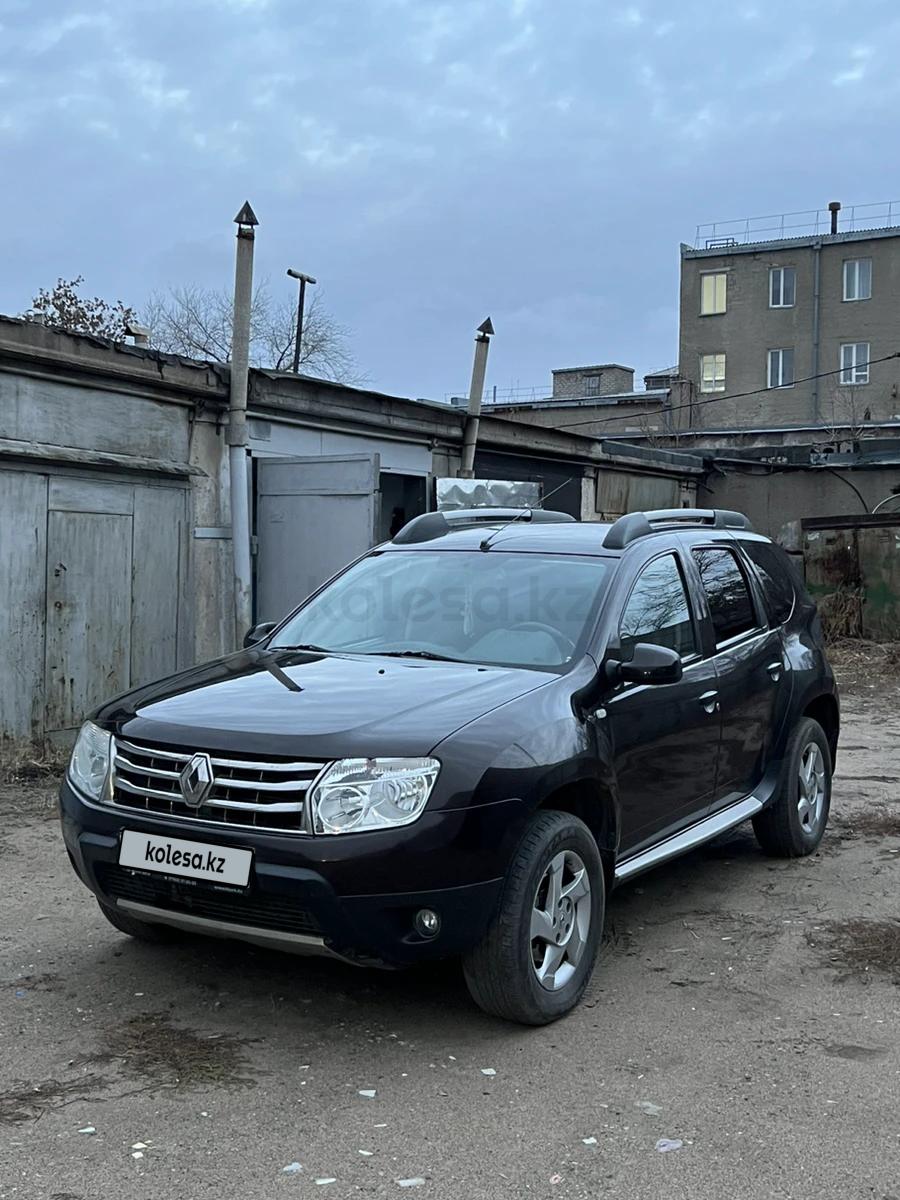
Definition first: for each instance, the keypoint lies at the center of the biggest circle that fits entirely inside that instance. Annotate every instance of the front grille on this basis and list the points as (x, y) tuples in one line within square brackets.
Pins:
[(240, 908), (245, 793)]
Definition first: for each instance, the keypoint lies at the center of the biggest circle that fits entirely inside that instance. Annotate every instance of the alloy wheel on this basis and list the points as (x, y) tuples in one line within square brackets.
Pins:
[(811, 794), (560, 920)]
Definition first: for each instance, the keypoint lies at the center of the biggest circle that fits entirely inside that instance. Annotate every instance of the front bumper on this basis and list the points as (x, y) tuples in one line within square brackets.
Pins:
[(354, 896)]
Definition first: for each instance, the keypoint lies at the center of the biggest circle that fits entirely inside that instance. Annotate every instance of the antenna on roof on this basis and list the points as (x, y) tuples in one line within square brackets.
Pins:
[(485, 543)]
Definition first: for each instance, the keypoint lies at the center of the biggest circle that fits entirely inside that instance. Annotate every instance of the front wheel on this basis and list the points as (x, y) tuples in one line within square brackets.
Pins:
[(538, 954), (794, 822)]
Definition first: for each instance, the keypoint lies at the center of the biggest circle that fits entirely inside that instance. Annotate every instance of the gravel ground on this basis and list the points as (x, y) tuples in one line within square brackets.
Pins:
[(745, 1011)]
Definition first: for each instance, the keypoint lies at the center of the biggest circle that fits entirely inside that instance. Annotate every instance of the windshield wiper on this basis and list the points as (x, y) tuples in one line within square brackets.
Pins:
[(305, 646), (415, 654)]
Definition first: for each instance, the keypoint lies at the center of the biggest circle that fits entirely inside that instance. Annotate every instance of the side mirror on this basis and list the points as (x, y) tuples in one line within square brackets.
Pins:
[(648, 664), (257, 633)]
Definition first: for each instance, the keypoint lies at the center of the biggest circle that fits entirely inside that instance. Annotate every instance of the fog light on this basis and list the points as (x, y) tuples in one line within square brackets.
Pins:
[(427, 923)]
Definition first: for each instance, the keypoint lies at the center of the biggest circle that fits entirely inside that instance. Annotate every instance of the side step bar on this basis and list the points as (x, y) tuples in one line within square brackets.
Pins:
[(694, 835)]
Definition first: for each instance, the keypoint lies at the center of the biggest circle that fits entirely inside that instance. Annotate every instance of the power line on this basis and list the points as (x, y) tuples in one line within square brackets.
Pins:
[(720, 399)]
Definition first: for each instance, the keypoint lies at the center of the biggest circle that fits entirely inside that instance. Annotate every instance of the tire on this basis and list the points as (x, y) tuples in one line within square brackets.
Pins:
[(793, 824), (143, 931), (502, 972)]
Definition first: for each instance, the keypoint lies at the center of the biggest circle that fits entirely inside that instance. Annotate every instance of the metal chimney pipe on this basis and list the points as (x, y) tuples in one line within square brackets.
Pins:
[(834, 208), (239, 480), (476, 390)]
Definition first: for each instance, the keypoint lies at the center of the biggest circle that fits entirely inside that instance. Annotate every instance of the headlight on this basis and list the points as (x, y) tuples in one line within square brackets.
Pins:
[(89, 764), (372, 793)]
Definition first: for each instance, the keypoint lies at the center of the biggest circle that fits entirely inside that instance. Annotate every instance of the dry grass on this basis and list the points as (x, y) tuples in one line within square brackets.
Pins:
[(841, 613), (862, 946), (21, 763), (29, 1101), (876, 823), (168, 1055), (879, 657)]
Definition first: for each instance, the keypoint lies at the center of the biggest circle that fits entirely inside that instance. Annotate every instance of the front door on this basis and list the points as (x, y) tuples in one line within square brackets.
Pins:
[(665, 738), (751, 670)]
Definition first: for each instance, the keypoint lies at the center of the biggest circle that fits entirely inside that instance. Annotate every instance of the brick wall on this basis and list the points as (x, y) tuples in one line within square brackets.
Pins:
[(573, 382), (750, 328)]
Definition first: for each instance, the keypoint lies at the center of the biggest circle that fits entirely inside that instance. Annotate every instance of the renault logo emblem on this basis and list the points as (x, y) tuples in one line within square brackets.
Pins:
[(196, 780)]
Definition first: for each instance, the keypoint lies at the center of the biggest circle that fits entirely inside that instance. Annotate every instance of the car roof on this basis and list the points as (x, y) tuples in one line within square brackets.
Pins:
[(571, 537), (560, 534)]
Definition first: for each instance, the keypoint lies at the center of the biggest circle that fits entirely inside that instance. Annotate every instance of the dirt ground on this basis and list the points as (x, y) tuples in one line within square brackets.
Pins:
[(741, 1037)]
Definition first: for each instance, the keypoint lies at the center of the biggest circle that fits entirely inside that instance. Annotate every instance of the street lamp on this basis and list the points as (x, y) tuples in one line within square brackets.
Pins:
[(301, 301)]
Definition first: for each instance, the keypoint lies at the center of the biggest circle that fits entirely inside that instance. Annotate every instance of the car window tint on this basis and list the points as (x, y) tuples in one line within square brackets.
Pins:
[(657, 610), (730, 603), (775, 571)]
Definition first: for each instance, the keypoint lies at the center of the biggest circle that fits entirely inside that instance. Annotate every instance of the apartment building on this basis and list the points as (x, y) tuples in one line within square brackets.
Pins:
[(760, 318)]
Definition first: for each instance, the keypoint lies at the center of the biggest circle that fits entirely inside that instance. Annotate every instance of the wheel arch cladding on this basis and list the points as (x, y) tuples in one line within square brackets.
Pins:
[(824, 710), (593, 804)]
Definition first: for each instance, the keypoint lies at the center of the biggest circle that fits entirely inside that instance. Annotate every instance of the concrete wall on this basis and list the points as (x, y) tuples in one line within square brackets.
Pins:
[(573, 381), (750, 328), (640, 413), (776, 502)]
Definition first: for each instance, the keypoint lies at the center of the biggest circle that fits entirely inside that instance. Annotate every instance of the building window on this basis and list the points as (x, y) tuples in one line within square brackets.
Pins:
[(781, 368), (712, 372), (592, 385), (782, 287), (858, 279), (712, 293), (855, 362)]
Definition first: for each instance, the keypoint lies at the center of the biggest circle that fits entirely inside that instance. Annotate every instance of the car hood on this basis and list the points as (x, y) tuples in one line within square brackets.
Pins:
[(316, 705)]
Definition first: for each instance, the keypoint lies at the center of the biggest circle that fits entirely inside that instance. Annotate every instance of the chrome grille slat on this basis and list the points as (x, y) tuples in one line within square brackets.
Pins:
[(246, 793), (155, 772), (283, 785), (268, 767), (134, 790), (150, 751)]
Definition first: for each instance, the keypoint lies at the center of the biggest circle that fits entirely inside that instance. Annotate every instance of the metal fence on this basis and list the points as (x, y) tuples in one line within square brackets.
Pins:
[(807, 223)]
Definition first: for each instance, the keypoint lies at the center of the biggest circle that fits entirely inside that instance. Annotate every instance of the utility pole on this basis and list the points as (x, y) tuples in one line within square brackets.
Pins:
[(301, 304), (476, 389), (237, 423)]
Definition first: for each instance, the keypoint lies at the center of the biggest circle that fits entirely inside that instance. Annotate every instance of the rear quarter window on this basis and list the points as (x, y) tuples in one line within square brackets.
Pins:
[(776, 572)]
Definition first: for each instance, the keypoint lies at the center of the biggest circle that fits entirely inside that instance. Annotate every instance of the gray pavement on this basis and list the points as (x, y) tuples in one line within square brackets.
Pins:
[(734, 1011)]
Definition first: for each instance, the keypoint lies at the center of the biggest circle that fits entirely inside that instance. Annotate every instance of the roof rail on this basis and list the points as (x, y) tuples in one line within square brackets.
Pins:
[(636, 525), (433, 525)]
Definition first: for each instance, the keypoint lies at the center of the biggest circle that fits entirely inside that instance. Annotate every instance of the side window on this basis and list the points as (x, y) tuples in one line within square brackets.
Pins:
[(657, 610), (730, 602), (776, 572)]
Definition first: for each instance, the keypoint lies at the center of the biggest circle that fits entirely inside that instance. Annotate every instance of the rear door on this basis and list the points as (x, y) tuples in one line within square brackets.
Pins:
[(665, 738), (313, 516), (751, 668)]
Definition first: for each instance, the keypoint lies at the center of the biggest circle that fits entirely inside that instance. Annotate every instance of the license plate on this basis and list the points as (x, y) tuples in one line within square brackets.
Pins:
[(191, 860)]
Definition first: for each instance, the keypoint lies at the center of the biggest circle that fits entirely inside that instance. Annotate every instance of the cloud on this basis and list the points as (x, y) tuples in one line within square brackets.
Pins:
[(860, 56), (445, 145)]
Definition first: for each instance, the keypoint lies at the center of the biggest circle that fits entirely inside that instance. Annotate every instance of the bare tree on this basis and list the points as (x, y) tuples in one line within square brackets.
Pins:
[(61, 307), (196, 322)]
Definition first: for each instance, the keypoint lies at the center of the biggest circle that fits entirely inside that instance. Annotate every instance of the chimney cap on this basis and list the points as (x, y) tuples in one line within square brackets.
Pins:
[(246, 216), (834, 206)]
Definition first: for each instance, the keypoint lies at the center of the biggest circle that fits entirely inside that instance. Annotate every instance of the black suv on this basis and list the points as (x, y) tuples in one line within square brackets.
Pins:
[(462, 742)]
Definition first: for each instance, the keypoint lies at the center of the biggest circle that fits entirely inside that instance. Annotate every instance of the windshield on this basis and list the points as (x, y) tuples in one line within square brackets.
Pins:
[(514, 609)]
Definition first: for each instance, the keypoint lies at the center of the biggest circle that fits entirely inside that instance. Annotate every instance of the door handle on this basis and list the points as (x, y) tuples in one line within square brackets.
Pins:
[(776, 670), (709, 701)]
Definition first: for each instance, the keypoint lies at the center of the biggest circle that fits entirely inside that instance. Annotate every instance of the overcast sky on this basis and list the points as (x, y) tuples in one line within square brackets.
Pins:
[(432, 163)]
